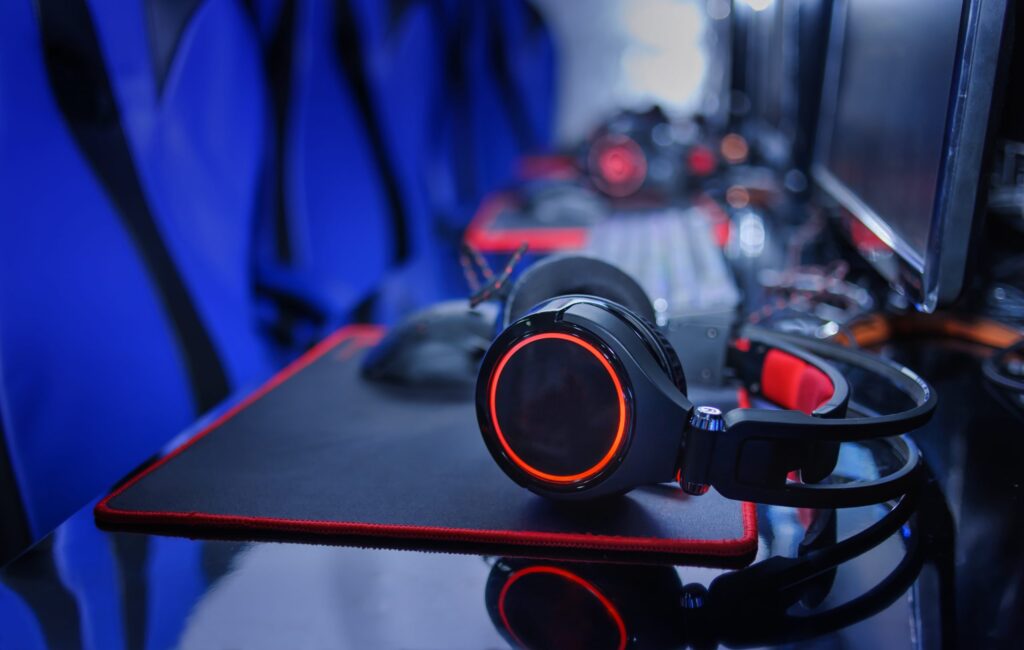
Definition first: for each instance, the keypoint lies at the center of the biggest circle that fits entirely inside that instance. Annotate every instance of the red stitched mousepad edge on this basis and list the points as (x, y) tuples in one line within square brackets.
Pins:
[(713, 552), (484, 237)]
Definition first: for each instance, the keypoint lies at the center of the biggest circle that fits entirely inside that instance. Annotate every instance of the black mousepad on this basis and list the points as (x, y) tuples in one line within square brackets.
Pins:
[(318, 454)]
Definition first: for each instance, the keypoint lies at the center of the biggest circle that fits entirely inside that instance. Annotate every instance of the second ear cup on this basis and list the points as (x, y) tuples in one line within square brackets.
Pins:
[(563, 275)]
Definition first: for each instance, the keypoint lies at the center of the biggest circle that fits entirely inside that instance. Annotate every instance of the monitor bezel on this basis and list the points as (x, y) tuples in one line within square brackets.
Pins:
[(774, 140), (937, 277)]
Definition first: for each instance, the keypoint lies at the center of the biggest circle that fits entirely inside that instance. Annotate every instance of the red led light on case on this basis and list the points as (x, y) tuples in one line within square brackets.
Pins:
[(619, 163)]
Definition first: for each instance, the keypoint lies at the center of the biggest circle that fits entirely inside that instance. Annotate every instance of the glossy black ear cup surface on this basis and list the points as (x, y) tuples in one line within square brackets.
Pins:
[(562, 275), (575, 415)]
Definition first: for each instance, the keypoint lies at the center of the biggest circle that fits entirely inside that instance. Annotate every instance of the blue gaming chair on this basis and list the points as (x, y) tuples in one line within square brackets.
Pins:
[(500, 82), (125, 285), (394, 121), (461, 88), (267, 15), (525, 64), (398, 49), (128, 193), (511, 79), (332, 233)]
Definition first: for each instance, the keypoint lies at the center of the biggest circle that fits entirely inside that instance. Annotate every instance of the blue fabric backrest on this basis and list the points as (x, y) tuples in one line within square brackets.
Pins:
[(530, 70), (501, 73), (401, 53), (330, 237), (352, 225), (511, 76), (197, 134), (267, 15), (125, 280), (396, 118)]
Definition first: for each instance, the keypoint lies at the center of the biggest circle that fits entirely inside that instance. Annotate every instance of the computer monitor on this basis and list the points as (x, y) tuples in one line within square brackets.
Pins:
[(763, 53), (740, 18), (784, 64), (905, 111), (812, 25), (773, 56)]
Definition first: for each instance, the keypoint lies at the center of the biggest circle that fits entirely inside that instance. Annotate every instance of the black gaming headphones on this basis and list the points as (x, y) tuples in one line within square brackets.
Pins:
[(580, 396)]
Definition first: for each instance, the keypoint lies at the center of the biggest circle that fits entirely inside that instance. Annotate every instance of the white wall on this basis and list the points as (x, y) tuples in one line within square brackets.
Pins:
[(629, 53)]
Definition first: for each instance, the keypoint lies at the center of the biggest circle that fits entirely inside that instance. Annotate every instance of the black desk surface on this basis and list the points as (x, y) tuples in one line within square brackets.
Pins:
[(81, 587)]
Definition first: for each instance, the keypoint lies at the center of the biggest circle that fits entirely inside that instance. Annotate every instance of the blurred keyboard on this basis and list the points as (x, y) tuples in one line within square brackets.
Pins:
[(673, 255)]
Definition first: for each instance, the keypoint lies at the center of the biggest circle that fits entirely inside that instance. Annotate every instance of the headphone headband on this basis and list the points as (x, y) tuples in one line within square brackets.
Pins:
[(752, 457), (790, 376)]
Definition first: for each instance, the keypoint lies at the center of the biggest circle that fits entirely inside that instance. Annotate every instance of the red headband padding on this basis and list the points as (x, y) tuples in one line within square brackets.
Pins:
[(793, 383)]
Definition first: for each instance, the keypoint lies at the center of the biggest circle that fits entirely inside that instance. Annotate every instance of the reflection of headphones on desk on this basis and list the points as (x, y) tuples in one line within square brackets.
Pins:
[(581, 396), (542, 604)]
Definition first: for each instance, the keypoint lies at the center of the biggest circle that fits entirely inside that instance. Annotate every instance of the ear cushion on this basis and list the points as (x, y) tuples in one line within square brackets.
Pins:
[(674, 365), (662, 349), (563, 275)]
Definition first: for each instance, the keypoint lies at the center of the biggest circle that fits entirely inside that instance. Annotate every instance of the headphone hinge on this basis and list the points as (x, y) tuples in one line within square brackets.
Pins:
[(704, 427)]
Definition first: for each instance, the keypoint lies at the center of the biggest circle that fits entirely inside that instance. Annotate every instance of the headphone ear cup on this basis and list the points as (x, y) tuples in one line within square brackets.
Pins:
[(563, 275), (674, 367)]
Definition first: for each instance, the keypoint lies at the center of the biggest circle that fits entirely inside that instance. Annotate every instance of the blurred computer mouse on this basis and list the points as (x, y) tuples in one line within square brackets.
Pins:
[(564, 204), (436, 351)]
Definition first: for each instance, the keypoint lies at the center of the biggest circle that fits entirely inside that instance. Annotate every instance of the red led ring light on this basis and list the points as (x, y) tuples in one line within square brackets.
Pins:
[(613, 613), (620, 433)]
